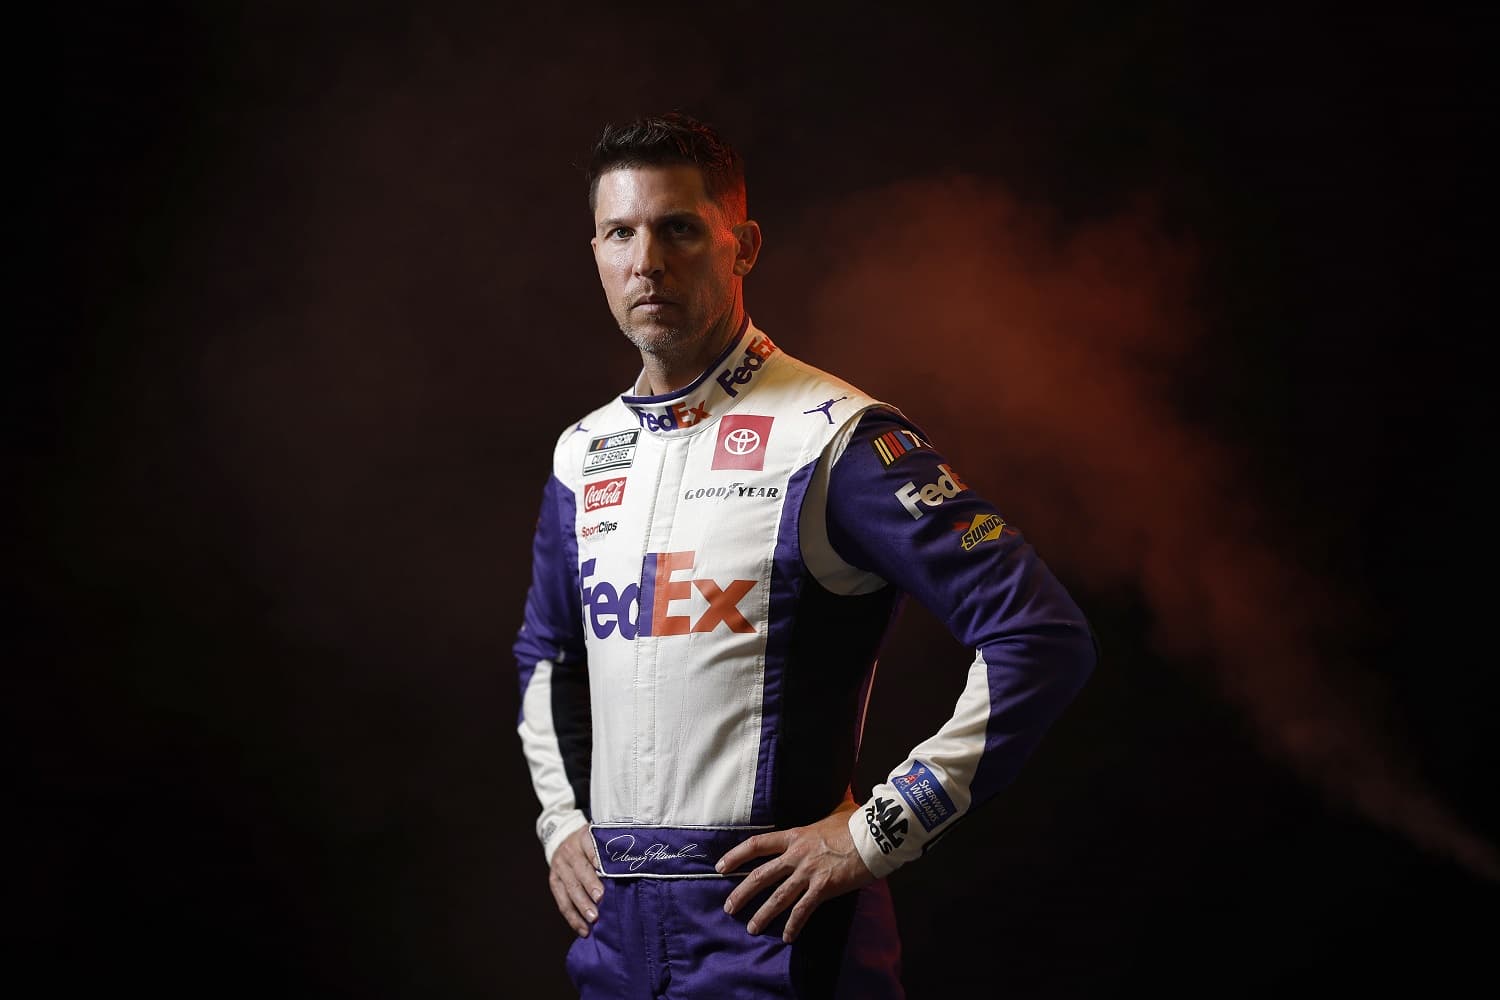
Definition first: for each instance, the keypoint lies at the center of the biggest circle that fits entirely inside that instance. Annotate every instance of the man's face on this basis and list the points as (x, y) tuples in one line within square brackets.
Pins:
[(668, 259)]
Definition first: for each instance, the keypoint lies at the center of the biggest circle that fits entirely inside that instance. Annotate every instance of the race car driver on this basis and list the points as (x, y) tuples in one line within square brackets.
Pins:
[(719, 554)]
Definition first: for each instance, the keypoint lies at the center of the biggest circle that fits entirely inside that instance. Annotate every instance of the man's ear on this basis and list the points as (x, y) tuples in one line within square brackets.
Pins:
[(747, 246)]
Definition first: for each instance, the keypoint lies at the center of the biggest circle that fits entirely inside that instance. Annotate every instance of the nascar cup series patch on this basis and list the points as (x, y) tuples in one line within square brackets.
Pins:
[(610, 451)]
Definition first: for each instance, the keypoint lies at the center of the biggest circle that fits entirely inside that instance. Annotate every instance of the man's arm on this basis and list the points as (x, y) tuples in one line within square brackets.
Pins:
[(555, 724), (897, 508)]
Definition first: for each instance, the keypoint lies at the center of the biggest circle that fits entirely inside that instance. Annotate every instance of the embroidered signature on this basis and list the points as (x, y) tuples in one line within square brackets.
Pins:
[(656, 852)]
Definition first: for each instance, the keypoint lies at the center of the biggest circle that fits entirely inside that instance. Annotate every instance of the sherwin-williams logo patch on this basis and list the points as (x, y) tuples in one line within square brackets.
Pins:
[(925, 795), (610, 451), (984, 528), (605, 493), (742, 442), (893, 444)]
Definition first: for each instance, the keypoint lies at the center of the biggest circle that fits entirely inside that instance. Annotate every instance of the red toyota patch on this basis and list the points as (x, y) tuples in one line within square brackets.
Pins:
[(742, 442)]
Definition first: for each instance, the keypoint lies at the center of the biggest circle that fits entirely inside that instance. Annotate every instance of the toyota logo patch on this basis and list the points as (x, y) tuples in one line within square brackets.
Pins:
[(742, 444)]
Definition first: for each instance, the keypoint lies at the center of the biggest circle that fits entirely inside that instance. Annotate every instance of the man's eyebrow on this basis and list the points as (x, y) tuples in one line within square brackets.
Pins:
[(682, 215)]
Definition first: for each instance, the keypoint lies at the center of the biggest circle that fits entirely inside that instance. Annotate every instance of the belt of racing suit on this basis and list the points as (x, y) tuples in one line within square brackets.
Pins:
[(627, 851)]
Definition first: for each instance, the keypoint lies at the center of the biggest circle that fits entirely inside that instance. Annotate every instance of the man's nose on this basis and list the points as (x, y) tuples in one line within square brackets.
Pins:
[(648, 256)]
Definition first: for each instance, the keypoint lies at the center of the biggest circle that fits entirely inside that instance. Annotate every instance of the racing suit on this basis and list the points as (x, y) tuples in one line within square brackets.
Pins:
[(714, 571)]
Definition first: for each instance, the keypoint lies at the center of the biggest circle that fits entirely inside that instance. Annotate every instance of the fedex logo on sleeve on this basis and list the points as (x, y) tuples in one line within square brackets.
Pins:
[(662, 604), (947, 487)]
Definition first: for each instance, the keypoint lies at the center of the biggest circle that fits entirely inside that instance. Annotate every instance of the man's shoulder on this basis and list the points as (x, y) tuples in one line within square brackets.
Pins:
[(578, 437), (840, 402), (794, 368)]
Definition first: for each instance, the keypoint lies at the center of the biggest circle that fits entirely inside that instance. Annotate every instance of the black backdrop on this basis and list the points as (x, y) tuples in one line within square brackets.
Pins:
[(316, 301)]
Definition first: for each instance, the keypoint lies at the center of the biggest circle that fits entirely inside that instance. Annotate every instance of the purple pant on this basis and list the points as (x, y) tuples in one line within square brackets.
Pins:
[(670, 938)]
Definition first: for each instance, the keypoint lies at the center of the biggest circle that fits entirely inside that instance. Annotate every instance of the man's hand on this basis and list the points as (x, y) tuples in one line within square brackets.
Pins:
[(575, 885), (815, 864)]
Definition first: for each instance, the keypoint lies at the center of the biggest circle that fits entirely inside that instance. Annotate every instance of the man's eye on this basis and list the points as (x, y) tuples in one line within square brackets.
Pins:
[(619, 233), (679, 228)]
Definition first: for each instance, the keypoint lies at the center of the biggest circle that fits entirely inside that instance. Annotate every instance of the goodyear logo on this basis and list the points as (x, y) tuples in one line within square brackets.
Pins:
[(984, 528)]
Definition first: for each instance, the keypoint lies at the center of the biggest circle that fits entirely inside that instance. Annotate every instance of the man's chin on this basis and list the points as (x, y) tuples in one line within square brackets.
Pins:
[(651, 336)]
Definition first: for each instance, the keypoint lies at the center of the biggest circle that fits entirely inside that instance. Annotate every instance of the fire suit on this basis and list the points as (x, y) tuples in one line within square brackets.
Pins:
[(714, 571)]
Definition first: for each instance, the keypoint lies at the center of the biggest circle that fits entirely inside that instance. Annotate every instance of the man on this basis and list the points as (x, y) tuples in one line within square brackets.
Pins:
[(719, 555)]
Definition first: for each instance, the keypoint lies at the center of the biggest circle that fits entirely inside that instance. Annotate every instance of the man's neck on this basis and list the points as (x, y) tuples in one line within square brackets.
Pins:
[(665, 374)]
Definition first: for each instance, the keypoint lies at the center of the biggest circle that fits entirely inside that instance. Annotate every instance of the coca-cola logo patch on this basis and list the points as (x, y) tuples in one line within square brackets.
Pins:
[(605, 493)]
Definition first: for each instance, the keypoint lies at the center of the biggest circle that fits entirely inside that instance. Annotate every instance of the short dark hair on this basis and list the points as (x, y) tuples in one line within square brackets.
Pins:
[(665, 140)]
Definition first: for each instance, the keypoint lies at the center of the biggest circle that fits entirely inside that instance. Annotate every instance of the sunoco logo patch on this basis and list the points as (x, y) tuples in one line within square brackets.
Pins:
[(610, 451), (925, 796), (983, 528)]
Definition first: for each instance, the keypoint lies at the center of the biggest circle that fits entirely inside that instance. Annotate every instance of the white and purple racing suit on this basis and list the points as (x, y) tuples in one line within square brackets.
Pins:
[(714, 571)]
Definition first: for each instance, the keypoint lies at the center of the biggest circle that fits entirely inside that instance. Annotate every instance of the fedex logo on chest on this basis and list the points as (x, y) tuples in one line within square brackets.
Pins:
[(662, 604)]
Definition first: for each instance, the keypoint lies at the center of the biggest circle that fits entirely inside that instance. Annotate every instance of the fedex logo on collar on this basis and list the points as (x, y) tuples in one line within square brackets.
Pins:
[(646, 609), (756, 353), (670, 418)]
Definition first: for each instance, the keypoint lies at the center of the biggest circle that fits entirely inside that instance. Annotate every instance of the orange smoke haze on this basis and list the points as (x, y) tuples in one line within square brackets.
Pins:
[(1043, 358)]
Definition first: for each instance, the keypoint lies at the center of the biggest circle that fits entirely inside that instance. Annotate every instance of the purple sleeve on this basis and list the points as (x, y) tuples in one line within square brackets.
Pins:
[(552, 625), (555, 725), (897, 508)]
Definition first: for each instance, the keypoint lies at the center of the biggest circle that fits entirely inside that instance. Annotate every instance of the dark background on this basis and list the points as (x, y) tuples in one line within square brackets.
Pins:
[(315, 302)]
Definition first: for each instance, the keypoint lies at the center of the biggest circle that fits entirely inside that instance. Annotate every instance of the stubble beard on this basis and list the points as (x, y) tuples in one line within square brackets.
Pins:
[(673, 347), (665, 342)]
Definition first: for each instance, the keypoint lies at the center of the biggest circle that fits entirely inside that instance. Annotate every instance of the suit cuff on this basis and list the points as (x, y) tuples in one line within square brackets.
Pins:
[(874, 829), (554, 829)]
